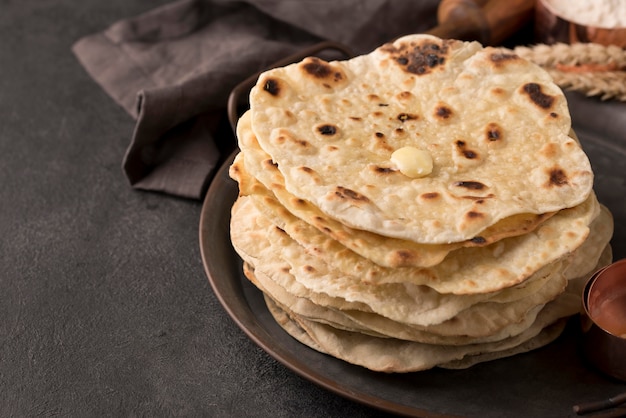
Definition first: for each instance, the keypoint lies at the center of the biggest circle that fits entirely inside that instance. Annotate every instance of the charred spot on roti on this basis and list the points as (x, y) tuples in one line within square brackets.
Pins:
[(320, 223), (406, 116), (273, 86), (349, 194), (537, 96), (470, 185), (464, 151), (401, 258), (285, 137), (317, 68), (399, 133), (322, 71), (430, 196), (500, 59), (301, 142), (557, 177), (313, 176), (478, 240), (280, 230), (380, 142), (493, 132), (479, 199), (472, 214), (404, 95), (418, 58), (382, 170), (327, 129), (355, 118), (443, 112), (402, 60), (270, 164), (309, 268), (469, 154), (297, 202)]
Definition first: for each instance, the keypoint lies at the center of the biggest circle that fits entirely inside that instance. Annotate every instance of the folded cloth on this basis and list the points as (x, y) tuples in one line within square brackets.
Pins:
[(173, 68)]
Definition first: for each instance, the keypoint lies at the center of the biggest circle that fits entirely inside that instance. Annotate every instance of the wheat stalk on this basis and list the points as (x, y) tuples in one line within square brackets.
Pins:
[(594, 69)]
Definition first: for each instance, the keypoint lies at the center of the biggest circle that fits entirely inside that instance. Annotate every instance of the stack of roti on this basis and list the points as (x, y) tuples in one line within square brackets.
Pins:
[(425, 205)]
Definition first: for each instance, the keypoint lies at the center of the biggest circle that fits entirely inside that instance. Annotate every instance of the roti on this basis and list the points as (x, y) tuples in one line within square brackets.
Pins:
[(495, 125), (272, 251), (424, 205), (393, 355), (470, 271), (379, 326), (383, 250)]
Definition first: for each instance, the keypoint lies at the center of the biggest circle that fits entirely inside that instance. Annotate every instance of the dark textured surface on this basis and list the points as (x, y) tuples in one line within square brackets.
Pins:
[(105, 309)]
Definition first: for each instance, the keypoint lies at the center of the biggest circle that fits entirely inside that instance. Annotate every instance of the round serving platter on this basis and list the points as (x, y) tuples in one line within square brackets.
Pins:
[(543, 383)]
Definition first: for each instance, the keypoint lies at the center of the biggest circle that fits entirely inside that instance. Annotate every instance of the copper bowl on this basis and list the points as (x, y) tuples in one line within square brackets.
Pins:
[(603, 320), (552, 26)]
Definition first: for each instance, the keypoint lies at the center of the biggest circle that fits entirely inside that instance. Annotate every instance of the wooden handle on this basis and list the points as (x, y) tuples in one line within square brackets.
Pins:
[(488, 21)]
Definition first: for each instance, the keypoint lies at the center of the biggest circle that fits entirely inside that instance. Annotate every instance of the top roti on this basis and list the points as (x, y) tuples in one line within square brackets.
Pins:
[(495, 125)]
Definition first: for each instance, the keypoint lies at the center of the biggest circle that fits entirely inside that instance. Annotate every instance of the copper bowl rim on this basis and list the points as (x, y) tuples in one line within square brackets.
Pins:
[(588, 289)]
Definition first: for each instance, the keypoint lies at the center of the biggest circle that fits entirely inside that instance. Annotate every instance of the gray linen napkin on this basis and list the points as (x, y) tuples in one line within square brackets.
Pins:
[(173, 68)]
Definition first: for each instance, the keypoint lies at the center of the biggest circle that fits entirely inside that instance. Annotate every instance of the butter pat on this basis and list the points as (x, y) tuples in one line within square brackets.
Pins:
[(413, 162)]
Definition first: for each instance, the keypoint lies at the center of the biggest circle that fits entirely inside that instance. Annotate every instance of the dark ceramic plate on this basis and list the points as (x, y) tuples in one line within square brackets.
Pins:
[(543, 383)]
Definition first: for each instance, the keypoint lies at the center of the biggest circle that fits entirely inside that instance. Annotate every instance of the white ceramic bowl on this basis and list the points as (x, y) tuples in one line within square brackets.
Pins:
[(570, 21)]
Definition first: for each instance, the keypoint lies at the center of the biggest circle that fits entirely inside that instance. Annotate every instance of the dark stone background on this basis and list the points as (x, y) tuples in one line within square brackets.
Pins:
[(105, 309)]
